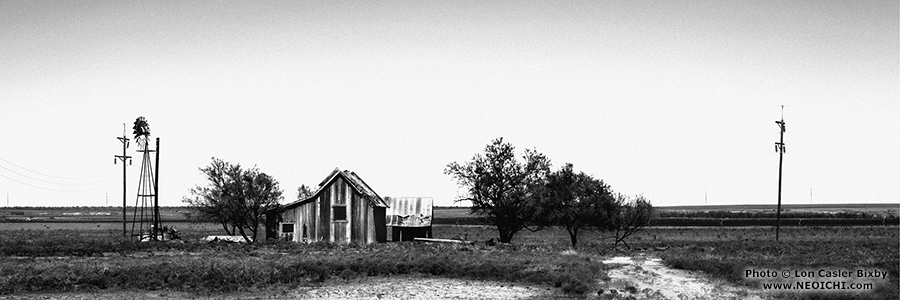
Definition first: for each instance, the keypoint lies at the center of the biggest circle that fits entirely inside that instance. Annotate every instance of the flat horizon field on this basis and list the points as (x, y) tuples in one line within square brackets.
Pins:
[(184, 213)]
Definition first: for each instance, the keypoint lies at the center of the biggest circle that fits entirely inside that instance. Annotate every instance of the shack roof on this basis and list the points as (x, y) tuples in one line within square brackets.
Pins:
[(355, 182)]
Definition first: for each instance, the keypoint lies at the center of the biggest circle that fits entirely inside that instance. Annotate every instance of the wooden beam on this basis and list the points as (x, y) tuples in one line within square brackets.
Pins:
[(442, 241)]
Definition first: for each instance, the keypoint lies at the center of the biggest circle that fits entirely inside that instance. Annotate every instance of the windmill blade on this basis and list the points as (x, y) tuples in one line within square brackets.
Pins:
[(141, 127)]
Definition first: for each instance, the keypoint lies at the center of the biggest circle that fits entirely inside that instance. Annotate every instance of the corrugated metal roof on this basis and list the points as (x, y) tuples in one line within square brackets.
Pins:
[(354, 180), (409, 211), (364, 189)]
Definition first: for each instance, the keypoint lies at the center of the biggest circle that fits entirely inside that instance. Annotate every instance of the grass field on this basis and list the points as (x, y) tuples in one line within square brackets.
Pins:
[(726, 252), (84, 255), (96, 258), (451, 214), (90, 259), (891, 208), (187, 230)]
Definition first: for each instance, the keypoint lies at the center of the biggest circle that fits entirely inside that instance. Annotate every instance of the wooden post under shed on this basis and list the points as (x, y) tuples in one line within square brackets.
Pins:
[(409, 217)]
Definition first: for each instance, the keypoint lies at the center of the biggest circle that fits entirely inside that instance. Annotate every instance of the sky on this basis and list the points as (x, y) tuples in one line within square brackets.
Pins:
[(675, 100)]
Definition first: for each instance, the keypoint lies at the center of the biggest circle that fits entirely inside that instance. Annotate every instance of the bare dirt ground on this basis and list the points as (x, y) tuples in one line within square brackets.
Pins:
[(395, 287), (427, 288), (639, 277), (629, 277)]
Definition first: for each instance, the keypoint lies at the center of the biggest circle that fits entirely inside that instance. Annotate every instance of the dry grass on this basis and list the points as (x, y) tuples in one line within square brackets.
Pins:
[(725, 252), (91, 259), (74, 260)]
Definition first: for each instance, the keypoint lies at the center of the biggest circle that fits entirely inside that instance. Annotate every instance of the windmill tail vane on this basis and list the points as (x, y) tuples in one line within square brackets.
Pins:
[(141, 127), (141, 132)]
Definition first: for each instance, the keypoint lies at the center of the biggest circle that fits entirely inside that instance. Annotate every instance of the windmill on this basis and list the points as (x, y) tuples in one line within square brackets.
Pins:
[(145, 219)]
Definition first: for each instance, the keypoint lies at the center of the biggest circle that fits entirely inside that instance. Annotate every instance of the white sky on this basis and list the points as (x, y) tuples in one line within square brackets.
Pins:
[(673, 99)]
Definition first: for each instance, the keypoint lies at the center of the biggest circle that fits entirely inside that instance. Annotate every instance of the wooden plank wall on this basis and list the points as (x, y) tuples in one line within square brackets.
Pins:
[(307, 216), (312, 220), (353, 214), (324, 216), (370, 224), (316, 215), (340, 229), (289, 216), (363, 220)]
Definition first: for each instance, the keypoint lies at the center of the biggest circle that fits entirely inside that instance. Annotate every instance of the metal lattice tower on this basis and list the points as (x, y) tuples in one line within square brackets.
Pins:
[(145, 218)]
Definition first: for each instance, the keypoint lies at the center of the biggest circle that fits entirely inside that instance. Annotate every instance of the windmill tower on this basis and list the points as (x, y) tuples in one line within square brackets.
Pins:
[(145, 219)]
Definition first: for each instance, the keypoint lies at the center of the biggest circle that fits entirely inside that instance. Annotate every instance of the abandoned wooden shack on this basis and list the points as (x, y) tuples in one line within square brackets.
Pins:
[(343, 210)]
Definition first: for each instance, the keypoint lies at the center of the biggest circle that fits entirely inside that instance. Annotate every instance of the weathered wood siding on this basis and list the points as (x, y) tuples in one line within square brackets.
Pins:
[(304, 218), (316, 215), (341, 228), (312, 218), (324, 212), (289, 216), (369, 220), (307, 221)]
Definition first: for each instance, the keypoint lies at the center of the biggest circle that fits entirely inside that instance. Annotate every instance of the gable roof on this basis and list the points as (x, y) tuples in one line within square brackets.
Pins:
[(353, 180)]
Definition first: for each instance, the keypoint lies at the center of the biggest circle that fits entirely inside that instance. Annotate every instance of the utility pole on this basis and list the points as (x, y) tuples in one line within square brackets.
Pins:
[(156, 193), (124, 139), (779, 147)]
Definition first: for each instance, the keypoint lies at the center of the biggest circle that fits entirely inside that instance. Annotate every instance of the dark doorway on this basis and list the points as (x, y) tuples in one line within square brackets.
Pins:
[(409, 233)]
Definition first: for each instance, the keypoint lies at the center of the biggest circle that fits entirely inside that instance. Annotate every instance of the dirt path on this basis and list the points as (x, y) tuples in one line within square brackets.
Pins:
[(392, 287), (406, 287), (634, 277), (647, 278)]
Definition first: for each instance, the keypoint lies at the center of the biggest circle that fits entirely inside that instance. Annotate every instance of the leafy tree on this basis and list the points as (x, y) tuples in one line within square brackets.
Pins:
[(213, 201), (574, 201), (634, 213), (235, 198), (303, 192), (499, 186)]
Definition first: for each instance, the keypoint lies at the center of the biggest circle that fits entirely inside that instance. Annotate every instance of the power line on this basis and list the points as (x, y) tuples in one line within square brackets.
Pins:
[(49, 189), (835, 106), (54, 182), (48, 175)]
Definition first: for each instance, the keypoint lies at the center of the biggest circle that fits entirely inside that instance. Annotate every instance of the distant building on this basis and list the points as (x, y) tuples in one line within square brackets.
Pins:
[(343, 210)]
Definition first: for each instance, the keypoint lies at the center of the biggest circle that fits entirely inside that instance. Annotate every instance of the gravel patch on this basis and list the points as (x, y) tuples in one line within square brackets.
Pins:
[(648, 278)]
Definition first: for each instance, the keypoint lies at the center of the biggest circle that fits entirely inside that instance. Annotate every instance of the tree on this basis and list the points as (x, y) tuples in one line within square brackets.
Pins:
[(574, 201), (235, 198), (213, 201), (634, 213), (303, 192), (499, 186)]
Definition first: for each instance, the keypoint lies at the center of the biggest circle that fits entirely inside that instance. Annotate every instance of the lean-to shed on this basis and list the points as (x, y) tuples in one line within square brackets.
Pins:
[(409, 217), (343, 210)]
